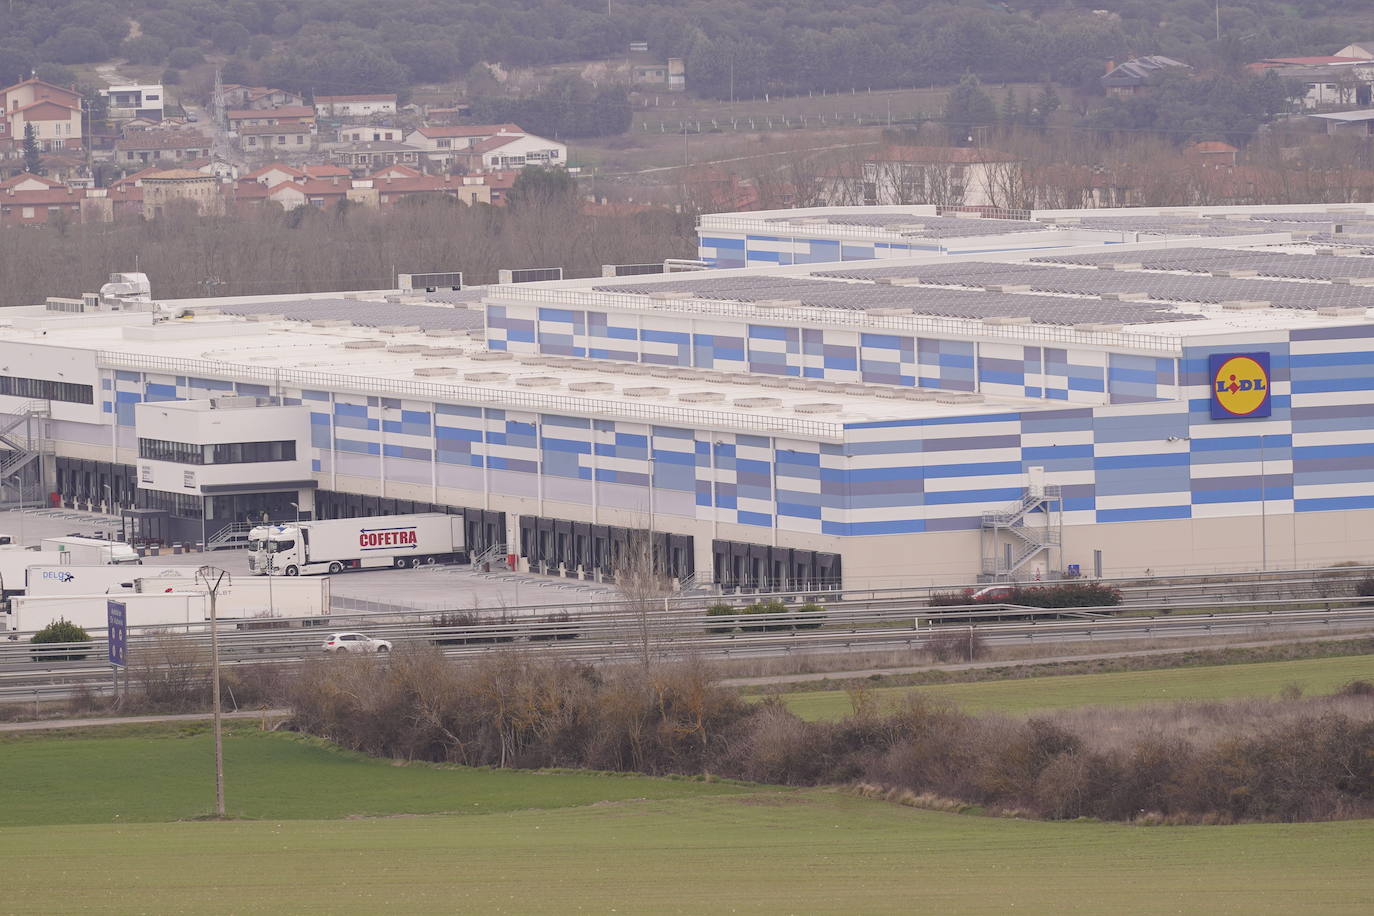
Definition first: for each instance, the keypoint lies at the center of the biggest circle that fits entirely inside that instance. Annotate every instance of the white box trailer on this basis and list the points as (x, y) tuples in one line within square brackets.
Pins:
[(355, 543), (167, 601), (15, 565), (89, 611), (71, 579), (92, 551)]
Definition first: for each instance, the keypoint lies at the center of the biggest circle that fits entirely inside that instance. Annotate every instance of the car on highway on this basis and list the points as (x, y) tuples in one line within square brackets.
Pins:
[(992, 594), (356, 642)]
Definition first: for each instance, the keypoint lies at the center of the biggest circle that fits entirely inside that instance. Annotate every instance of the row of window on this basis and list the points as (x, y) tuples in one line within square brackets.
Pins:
[(177, 505), (222, 453), (43, 390)]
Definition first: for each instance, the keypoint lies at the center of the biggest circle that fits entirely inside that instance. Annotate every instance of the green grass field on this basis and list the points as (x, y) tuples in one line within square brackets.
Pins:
[(1315, 676), (71, 838), (159, 773)]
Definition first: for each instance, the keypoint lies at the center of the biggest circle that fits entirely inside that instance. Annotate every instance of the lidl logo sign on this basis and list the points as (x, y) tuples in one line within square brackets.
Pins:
[(1240, 385)]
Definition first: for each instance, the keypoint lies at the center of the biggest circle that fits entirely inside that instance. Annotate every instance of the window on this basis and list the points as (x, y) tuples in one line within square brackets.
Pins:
[(28, 213), (221, 453), (42, 389), (252, 141), (281, 140), (299, 140)]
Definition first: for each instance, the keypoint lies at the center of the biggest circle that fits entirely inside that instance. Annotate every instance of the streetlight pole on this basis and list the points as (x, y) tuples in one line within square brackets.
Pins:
[(214, 578), (297, 507)]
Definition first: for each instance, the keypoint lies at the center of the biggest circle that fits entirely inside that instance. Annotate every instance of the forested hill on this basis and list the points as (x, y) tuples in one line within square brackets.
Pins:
[(744, 47)]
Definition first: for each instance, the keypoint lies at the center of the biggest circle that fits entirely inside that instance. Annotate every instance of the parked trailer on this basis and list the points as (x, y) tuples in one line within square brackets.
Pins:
[(92, 551), (372, 542), (15, 565), (89, 611), (167, 601), (70, 579)]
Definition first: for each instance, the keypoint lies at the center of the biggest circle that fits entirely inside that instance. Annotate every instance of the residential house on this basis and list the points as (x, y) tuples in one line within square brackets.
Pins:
[(1364, 50), (271, 117), (152, 146), (54, 112), (361, 156), (29, 200), (1216, 154), (234, 96), (280, 138), (1328, 82), (136, 100), (440, 144), (1135, 77), (502, 152), (371, 135), (653, 72), (355, 106)]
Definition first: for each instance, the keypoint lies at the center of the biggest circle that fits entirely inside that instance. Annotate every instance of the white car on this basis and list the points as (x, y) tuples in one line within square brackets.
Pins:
[(356, 642)]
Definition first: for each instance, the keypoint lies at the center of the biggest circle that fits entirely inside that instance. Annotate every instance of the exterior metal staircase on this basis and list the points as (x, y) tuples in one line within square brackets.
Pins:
[(21, 439), (234, 534), (1009, 543), (494, 554)]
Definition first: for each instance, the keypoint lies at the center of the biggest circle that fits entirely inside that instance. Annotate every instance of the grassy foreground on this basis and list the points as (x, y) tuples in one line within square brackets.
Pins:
[(163, 773), (802, 852), (100, 821), (1315, 676)]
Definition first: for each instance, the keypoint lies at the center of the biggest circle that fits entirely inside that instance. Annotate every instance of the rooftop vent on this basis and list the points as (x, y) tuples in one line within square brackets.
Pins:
[(700, 397), (639, 369), (441, 332), (537, 381), (491, 356), (888, 312), (664, 372), (1235, 272), (1245, 305), (364, 344), (646, 391), (399, 328), (435, 371), (1094, 327), (330, 323), (432, 352), (818, 407), (898, 281), (958, 397), (533, 360), (776, 382), (264, 317), (1007, 319), (404, 348), (486, 376), (591, 387), (614, 368), (1336, 311), (757, 403), (777, 303), (1007, 287), (671, 294), (1352, 281), (1121, 265), (1123, 297)]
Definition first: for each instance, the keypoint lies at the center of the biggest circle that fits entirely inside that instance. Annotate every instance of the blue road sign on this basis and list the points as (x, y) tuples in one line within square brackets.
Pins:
[(117, 632)]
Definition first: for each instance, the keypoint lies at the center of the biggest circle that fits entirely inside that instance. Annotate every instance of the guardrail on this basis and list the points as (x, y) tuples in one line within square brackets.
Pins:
[(616, 637)]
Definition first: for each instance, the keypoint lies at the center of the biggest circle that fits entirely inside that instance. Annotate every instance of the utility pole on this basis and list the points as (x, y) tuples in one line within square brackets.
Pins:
[(1218, 20), (213, 579)]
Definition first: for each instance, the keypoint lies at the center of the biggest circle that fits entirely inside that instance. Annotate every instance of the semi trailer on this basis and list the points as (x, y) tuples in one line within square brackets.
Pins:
[(372, 542)]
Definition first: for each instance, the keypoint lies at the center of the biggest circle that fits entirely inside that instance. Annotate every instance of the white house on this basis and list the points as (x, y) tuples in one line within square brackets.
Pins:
[(355, 106), (507, 152), (136, 100)]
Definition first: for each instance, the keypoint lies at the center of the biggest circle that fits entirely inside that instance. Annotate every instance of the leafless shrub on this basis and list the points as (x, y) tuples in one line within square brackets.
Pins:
[(169, 673), (956, 645)]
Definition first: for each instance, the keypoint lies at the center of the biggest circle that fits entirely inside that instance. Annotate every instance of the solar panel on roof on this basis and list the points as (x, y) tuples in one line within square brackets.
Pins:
[(364, 313)]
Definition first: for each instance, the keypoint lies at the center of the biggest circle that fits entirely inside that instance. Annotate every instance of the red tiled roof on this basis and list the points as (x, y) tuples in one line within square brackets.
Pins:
[(159, 139), (402, 170), (325, 170), (35, 81), (28, 176), (489, 144)]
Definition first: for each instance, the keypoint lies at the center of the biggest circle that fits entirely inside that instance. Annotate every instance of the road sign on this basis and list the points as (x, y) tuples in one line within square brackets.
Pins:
[(117, 632)]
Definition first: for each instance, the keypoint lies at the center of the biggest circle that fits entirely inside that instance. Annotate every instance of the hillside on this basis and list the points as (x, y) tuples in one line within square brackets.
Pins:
[(733, 48)]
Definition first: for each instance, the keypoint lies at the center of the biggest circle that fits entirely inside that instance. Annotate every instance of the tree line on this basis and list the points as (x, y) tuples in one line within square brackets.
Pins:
[(733, 48)]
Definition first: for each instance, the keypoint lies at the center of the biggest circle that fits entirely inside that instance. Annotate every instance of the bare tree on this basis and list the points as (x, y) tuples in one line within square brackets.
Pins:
[(643, 587)]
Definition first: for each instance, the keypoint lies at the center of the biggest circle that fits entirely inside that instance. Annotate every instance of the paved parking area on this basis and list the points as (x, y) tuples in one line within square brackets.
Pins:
[(427, 588)]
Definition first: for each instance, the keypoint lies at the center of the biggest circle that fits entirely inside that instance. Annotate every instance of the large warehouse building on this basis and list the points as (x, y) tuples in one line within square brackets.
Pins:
[(1199, 396)]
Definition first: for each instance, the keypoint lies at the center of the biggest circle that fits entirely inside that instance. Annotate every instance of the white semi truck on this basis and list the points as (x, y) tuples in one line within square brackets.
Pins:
[(306, 548)]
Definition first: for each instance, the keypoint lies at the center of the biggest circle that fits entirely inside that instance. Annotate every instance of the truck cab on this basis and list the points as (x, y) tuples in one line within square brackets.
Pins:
[(258, 556)]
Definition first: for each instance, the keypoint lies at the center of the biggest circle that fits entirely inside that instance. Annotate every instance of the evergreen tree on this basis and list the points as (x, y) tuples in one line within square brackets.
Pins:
[(968, 106), (1011, 109), (33, 156)]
